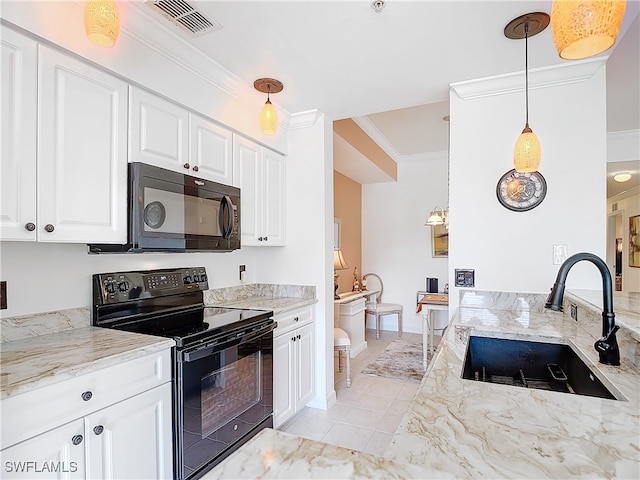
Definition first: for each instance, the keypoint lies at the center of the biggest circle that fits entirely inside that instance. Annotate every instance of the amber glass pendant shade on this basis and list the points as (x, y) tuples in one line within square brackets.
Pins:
[(268, 119), (582, 29), (527, 152), (102, 22)]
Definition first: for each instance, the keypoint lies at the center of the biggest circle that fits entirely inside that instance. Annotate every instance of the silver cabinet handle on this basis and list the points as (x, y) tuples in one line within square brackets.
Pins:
[(76, 439), (49, 228), (195, 168), (186, 165), (30, 227)]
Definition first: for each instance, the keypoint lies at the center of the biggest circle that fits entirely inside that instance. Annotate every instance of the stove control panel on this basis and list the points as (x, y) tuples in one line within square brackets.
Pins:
[(125, 286)]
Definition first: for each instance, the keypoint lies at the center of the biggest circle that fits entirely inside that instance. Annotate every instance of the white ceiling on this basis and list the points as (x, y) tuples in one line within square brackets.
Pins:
[(391, 70)]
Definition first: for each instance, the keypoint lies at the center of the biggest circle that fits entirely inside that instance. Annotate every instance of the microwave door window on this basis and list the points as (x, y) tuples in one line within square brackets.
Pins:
[(201, 216), (164, 212)]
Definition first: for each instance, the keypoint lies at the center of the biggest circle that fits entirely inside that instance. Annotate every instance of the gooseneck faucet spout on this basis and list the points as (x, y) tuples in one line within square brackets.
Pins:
[(607, 346)]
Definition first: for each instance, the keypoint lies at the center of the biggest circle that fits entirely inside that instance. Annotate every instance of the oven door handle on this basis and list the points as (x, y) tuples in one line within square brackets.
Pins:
[(201, 352)]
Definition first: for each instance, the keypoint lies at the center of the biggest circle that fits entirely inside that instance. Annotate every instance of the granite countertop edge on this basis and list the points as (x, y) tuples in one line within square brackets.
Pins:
[(278, 305)]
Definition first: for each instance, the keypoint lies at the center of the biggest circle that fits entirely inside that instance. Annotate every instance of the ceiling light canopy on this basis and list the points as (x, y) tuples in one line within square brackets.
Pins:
[(268, 115), (622, 177), (527, 150), (582, 29), (102, 22)]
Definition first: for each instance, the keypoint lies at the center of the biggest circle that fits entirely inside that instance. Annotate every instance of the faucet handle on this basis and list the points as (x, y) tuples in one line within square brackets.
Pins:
[(607, 348)]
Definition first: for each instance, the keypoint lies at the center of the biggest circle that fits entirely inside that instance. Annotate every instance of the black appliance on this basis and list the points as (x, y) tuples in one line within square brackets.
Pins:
[(223, 358), (173, 212), (432, 285)]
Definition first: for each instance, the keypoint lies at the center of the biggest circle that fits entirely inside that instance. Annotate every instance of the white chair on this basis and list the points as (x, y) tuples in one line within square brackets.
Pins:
[(378, 308), (342, 344)]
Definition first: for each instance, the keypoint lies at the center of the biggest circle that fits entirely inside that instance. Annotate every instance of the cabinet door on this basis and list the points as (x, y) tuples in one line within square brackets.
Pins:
[(58, 453), (274, 194), (284, 372), (82, 152), (305, 372), (158, 132), (132, 439), (210, 150), (246, 161), (18, 145)]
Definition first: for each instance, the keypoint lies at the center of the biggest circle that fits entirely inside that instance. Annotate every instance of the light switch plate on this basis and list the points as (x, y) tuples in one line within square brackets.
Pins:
[(465, 278)]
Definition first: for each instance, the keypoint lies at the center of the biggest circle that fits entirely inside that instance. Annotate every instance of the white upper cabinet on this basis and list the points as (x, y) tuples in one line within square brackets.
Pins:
[(169, 136), (82, 151), (210, 150), (158, 132), (260, 174), (18, 145), (64, 139)]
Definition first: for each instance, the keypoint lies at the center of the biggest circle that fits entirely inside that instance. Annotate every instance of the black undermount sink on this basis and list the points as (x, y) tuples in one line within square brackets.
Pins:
[(529, 364)]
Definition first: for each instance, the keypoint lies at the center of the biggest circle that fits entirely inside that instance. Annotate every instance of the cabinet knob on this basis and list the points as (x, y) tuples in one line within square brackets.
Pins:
[(259, 239), (295, 319), (265, 239), (76, 439), (49, 228), (293, 339), (98, 429), (186, 165), (298, 337), (30, 227), (86, 396), (195, 168)]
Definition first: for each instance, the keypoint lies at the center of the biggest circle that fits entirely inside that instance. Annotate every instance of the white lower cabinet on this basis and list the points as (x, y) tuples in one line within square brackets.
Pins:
[(58, 453), (293, 364), (130, 439), (115, 423)]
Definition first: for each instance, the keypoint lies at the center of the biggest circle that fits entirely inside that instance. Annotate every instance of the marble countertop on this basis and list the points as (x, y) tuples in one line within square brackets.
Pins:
[(278, 305), (465, 429), (347, 297), (35, 362), (626, 305)]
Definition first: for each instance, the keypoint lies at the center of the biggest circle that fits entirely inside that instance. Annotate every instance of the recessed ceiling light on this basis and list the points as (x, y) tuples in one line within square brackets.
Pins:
[(622, 177)]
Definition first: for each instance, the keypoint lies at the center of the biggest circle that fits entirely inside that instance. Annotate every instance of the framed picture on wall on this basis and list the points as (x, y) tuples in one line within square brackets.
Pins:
[(634, 241), (439, 241)]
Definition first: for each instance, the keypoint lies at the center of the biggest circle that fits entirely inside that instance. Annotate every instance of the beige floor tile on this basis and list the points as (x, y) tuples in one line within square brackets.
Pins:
[(399, 407), (389, 423), (384, 387), (313, 428), (361, 418), (407, 391), (378, 443), (374, 402), (334, 413), (348, 436), (346, 396)]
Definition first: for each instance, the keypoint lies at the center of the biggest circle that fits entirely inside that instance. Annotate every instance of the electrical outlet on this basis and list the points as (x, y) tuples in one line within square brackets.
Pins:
[(560, 254), (574, 311), (465, 278)]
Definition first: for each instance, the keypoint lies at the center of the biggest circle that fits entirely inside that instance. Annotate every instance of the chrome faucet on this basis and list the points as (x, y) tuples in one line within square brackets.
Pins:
[(607, 346)]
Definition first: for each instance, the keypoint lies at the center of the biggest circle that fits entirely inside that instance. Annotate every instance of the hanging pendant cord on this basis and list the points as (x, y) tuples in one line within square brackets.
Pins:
[(526, 70), (268, 90)]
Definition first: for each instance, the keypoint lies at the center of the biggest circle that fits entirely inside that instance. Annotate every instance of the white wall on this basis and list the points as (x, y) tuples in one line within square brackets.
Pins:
[(308, 257), (512, 251), (396, 244)]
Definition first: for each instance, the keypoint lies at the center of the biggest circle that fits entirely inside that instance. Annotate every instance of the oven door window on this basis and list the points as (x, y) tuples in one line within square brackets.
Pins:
[(225, 395), (170, 212)]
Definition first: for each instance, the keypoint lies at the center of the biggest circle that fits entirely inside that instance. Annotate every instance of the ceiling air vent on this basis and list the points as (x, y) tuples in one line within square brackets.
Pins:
[(185, 15)]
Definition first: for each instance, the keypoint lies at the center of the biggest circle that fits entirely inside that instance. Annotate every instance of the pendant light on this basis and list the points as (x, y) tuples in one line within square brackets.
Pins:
[(582, 29), (102, 22), (268, 115), (527, 151)]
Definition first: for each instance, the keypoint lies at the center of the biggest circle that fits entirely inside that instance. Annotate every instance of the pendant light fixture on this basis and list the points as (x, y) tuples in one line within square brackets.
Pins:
[(527, 151), (102, 22), (268, 115), (582, 29)]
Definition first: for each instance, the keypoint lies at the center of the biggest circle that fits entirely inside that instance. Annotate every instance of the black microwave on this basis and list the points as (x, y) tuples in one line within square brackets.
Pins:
[(173, 212)]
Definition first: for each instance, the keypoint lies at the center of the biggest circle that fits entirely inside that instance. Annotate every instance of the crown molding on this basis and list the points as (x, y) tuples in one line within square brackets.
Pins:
[(623, 146), (148, 29), (304, 119), (564, 74), (376, 135), (425, 157)]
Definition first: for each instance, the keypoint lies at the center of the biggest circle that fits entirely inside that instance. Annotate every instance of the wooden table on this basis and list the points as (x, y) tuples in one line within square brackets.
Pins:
[(427, 303)]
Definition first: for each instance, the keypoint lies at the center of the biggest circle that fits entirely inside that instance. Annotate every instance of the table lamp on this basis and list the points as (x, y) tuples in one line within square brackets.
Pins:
[(339, 263)]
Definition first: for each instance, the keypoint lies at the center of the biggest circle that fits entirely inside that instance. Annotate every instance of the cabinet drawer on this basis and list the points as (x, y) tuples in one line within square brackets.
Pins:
[(290, 320), (37, 411), (352, 308)]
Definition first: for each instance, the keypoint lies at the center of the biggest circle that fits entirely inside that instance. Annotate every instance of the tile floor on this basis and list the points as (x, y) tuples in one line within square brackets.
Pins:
[(367, 414)]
